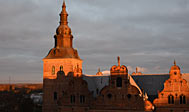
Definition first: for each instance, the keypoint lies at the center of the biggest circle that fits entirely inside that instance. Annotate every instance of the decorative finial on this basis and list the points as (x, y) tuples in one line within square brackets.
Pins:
[(64, 4), (118, 59), (136, 69), (98, 69), (174, 62)]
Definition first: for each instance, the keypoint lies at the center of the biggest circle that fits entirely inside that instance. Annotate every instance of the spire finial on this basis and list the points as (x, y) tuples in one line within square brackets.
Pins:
[(98, 69), (136, 69), (64, 4), (63, 14), (174, 62), (118, 59)]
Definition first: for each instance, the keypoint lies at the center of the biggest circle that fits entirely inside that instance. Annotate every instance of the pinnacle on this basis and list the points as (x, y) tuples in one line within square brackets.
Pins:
[(64, 4), (174, 62), (118, 59), (63, 15)]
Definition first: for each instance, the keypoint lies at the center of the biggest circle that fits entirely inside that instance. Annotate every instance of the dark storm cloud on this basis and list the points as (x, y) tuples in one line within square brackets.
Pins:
[(149, 34)]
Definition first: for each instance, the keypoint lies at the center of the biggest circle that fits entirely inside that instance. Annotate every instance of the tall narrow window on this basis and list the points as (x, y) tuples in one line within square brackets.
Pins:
[(171, 99), (82, 99), (109, 95), (97, 91), (53, 70), (119, 82), (182, 99), (55, 96), (72, 99)]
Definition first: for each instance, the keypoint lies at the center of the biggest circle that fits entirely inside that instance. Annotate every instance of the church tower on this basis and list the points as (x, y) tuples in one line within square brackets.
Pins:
[(63, 56)]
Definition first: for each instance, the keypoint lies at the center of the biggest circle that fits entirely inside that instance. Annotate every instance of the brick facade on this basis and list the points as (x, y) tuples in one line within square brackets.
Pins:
[(175, 95)]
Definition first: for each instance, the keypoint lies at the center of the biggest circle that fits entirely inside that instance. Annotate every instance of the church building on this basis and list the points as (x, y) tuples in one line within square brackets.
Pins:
[(67, 89)]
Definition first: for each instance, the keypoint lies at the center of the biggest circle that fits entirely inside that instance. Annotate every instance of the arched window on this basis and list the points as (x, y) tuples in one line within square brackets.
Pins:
[(53, 70), (119, 82), (82, 99), (55, 96), (61, 68), (72, 99), (182, 99), (109, 96), (171, 99)]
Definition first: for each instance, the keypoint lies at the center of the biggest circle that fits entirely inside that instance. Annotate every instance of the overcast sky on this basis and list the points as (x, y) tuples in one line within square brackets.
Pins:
[(149, 34)]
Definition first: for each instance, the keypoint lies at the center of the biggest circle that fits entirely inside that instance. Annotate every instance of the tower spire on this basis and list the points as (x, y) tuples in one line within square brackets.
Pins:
[(63, 37), (63, 15)]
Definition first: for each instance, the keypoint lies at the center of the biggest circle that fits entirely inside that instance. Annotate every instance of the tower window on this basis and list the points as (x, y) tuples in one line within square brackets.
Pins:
[(82, 99), (171, 99), (53, 70), (72, 99), (175, 73), (182, 99), (119, 82), (55, 96)]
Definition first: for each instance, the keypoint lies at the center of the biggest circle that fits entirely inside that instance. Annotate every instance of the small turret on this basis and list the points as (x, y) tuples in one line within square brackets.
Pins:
[(99, 72), (119, 69), (175, 71)]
